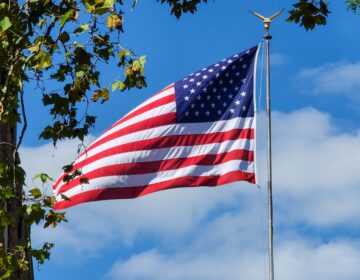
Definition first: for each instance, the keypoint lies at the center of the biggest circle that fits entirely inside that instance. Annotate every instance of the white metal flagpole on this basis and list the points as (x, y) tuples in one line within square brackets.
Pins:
[(267, 38)]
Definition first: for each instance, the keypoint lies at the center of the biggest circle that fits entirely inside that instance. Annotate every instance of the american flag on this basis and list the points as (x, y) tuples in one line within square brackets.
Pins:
[(199, 131)]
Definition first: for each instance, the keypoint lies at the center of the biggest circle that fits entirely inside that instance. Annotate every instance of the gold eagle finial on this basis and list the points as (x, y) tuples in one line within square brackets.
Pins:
[(267, 20)]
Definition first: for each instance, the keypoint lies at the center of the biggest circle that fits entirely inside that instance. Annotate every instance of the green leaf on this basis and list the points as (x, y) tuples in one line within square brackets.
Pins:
[(64, 197), (81, 29), (64, 37), (40, 255), (35, 213), (43, 177), (79, 74), (6, 193), (43, 60), (36, 193), (5, 23), (5, 219), (89, 6), (103, 6), (53, 218), (118, 85), (67, 16), (84, 180), (68, 168)]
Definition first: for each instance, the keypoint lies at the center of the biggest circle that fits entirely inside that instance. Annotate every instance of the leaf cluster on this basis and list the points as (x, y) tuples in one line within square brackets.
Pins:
[(354, 5), (309, 13), (179, 7), (35, 208), (61, 47)]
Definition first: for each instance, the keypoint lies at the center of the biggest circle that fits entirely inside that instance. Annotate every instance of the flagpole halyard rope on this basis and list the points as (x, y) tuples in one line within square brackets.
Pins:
[(260, 159)]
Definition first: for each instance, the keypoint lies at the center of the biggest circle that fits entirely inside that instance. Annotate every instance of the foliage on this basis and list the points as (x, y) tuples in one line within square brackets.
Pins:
[(59, 46), (354, 5), (178, 7), (309, 13), (36, 208)]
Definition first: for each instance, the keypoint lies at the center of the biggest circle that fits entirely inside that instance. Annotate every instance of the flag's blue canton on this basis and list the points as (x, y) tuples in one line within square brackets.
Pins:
[(221, 91)]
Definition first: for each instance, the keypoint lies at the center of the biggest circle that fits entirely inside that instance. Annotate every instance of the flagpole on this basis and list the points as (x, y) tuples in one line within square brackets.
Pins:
[(267, 38)]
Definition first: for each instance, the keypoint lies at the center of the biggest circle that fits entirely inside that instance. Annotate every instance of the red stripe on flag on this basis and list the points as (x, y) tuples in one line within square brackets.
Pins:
[(158, 103), (133, 192), (165, 119), (166, 142), (150, 106), (158, 166)]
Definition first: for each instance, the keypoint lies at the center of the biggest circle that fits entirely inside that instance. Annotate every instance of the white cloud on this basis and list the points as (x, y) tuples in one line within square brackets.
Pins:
[(316, 168), (295, 259), (341, 78), (170, 216), (327, 261), (230, 244)]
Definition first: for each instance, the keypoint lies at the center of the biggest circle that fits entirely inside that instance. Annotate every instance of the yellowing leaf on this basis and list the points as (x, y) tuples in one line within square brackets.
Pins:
[(142, 59), (136, 65), (5, 23), (128, 71), (118, 85), (43, 60), (124, 53), (114, 21), (42, 22), (109, 3), (34, 48), (104, 94)]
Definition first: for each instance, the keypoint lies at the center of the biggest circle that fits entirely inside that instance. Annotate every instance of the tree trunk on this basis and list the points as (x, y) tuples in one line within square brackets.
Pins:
[(18, 233)]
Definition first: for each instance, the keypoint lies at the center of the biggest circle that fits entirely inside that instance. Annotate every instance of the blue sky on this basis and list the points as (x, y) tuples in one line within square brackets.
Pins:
[(220, 233)]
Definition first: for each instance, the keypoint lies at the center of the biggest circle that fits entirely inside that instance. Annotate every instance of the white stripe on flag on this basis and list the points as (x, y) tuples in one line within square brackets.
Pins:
[(128, 181), (165, 154), (172, 130)]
